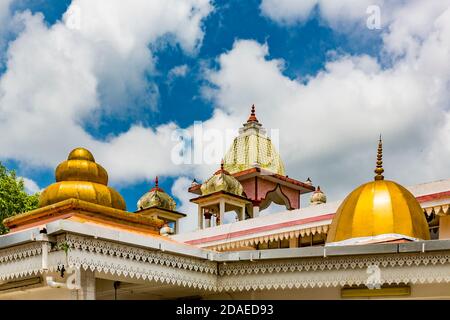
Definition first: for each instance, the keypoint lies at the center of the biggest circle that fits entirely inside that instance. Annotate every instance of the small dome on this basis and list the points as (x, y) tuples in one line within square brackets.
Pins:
[(318, 197), (156, 198), (81, 178), (377, 210), (222, 181), (253, 148), (81, 166), (81, 154)]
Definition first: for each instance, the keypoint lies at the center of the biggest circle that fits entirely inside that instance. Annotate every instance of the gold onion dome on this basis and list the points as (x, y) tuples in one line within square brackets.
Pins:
[(380, 210), (156, 198), (222, 180), (253, 148), (80, 177), (318, 197)]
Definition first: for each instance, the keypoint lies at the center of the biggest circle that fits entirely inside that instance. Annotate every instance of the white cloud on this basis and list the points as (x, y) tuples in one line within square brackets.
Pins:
[(330, 124), (334, 12), (31, 187), (288, 11), (179, 190), (5, 25), (178, 71), (86, 67)]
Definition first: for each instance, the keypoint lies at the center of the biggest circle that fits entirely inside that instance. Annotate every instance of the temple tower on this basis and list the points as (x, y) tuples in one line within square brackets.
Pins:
[(221, 193), (254, 161)]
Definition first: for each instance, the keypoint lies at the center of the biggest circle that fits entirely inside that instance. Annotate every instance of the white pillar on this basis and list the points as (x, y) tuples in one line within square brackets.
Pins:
[(200, 217), (243, 213), (207, 216), (221, 210), (255, 211), (86, 279)]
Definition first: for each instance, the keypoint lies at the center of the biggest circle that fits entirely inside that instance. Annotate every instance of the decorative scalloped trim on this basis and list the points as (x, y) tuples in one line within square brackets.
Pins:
[(138, 254), (321, 229), (20, 252), (136, 263)]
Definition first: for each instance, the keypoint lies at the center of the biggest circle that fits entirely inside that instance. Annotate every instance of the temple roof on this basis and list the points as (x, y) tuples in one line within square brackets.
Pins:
[(156, 198), (222, 180), (379, 209), (253, 148), (80, 177)]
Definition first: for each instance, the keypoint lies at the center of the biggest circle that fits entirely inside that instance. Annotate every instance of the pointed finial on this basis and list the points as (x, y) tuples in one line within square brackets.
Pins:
[(252, 115), (222, 169), (318, 189), (379, 169), (156, 181)]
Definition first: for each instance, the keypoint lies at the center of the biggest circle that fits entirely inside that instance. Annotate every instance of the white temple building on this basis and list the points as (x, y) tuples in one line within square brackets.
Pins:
[(382, 241)]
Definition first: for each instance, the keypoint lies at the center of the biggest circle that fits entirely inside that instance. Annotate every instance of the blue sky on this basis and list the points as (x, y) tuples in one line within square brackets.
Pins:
[(319, 49)]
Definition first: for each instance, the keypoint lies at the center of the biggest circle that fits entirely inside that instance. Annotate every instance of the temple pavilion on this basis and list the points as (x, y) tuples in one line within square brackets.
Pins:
[(383, 241)]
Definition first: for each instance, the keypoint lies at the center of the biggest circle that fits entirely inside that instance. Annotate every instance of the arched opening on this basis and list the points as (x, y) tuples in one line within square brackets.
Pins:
[(275, 196)]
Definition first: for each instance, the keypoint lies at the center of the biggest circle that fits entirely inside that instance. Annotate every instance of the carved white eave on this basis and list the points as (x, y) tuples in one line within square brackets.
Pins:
[(255, 240), (311, 267)]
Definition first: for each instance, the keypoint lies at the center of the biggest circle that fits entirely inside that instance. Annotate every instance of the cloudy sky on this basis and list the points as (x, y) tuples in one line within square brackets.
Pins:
[(120, 77)]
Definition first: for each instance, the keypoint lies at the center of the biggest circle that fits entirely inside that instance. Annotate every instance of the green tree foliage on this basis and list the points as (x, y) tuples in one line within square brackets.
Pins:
[(13, 198)]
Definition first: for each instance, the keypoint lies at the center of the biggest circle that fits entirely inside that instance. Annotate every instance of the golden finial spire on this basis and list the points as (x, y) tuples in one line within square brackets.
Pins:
[(252, 115), (222, 169), (156, 187), (379, 169)]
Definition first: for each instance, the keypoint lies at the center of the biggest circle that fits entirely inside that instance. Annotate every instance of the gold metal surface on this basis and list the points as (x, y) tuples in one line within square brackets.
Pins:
[(393, 291), (251, 148), (156, 198), (81, 178), (379, 169), (222, 181), (80, 210), (376, 208)]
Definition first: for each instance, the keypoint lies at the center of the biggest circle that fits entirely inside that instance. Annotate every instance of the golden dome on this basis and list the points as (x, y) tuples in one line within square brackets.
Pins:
[(252, 148), (378, 210), (156, 198), (81, 178), (222, 181), (318, 197)]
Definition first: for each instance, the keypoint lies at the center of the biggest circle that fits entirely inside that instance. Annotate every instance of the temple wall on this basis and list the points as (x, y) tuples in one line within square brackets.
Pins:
[(249, 188), (444, 227), (264, 187), (418, 291), (42, 293), (258, 191), (422, 291), (293, 196)]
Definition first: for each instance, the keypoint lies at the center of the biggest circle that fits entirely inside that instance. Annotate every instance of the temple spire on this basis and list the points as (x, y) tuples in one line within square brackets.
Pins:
[(156, 181), (252, 117), (379, 168)]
